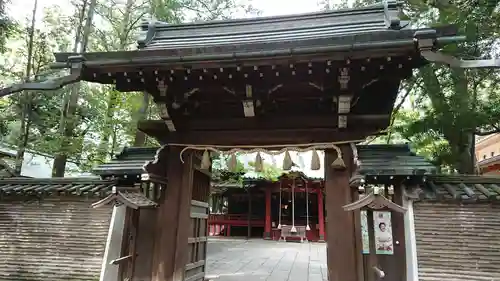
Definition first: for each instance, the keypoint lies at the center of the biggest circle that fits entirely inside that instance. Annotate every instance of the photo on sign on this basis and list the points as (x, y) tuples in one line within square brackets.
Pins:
[(383, 233)]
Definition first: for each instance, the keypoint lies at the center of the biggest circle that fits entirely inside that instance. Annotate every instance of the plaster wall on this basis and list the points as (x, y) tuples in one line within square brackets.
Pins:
[(487, 147)]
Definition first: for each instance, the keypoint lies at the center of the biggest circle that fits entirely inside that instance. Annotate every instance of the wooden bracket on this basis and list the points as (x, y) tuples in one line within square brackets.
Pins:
[(374, 201), (426, 42), (412, 193), (248, 104), (76, 64), (120, 260), (356, 180)]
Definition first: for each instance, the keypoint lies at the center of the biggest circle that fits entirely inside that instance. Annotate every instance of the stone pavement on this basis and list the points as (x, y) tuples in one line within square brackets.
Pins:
[(245, 260)]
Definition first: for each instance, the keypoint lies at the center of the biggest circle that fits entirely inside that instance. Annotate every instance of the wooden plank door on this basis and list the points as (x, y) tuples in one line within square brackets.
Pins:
[(197, 241)]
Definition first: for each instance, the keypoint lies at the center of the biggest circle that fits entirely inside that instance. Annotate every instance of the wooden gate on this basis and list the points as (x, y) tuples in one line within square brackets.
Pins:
[(197, 241)]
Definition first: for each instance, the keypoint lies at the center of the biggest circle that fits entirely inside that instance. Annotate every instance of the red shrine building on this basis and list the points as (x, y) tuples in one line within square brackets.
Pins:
[(261, 208), (488, 154), (272, 209)]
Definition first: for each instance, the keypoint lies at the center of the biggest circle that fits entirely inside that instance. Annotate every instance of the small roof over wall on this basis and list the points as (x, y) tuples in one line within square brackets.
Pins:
[(129, 162), (55, 186), (460, 188), (375, 159), (392, 160)]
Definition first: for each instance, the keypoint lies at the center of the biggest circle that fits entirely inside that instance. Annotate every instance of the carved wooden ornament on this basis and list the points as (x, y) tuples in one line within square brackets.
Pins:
[(374, 201), (131, 199)]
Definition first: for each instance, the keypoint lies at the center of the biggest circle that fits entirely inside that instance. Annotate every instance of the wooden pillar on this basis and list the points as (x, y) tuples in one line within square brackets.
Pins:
[(172, 224), (321, 216), (267, 226), (340, 236), (113, 248), (410, 242)]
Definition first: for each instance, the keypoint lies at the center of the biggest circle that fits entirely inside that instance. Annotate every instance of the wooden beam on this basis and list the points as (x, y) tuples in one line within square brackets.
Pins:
[(260, 137), (268, 123), (165, 115)]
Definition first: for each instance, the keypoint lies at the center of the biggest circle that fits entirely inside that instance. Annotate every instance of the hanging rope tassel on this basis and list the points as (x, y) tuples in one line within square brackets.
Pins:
[(315, 163), (287, 161), (232, 163), (279, 210), (338, 164), (205, 161), (259, 167)]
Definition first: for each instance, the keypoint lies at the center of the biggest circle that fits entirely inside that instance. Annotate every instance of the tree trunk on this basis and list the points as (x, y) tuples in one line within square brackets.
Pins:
[(140, 137), (113, 95), (68, 119), (26, 99)]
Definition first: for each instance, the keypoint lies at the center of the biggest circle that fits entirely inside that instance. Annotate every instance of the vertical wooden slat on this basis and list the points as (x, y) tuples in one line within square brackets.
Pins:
[(398, 230), (123, 267), (359, 239), (145, 244), (132, 241), (184, 216), (372, 260)]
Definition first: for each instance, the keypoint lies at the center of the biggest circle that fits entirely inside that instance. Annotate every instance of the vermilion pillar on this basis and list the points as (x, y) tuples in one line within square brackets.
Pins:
[(321, 216), (267, 225)]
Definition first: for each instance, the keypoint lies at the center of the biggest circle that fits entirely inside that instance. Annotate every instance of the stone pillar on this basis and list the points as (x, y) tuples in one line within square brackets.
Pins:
[(110, 272), (321, 216), (340, 229), (267, 226), (410, 241)]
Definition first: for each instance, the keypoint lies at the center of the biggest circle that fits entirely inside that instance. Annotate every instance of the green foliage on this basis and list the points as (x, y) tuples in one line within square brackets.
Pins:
[(104, 120), (445, 108), (220, 172), (269, 172)]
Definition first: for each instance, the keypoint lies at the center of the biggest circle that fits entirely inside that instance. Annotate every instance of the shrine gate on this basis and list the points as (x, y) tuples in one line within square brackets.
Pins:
[(320, 81)]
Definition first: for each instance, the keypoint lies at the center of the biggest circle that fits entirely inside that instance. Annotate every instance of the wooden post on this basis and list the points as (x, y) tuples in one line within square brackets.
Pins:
[(321, 216), (113, 248), (267, 226), (172, 225), (249, 216), (340, 236)]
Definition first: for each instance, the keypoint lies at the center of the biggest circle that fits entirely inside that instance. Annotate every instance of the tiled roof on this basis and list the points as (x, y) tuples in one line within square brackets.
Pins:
[(461, 188), (392, 159), (129, 162), (278, 30), (6, 171), (55, 186), (376, 159)]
